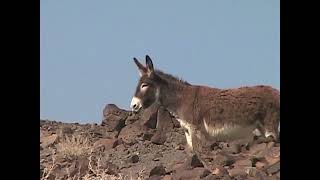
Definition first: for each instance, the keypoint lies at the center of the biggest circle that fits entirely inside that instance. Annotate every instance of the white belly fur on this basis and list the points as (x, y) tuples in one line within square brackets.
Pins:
[(223, 132), (230, 131)]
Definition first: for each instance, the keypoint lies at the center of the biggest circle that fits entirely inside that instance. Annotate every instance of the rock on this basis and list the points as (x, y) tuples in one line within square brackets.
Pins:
[(219, 171), (106, 143), (240, 168), (135, 159), (210, 177), (158, 170), (273, 155), (147, 136), (193, 174), (149, 116), (157, 157), (252, 171), (164, 125), (159, 138), (167, 177), (244, 163), (155, 177), (274, 168), (48, 140), (114, 117), (195, 162), (179, 147), (258, 150), (258, 147), (205, 173), (260, 165), (223, 160), (236, 172), (240, 177), (132, 118), (130, 133)]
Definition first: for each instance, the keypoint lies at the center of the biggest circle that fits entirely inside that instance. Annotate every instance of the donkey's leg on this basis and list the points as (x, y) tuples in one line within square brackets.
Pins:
[(189, 135), (271, 123), (203, 149)]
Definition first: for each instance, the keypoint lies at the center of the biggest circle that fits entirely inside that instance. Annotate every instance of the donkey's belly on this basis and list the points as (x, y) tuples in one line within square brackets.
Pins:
[(230, 131)]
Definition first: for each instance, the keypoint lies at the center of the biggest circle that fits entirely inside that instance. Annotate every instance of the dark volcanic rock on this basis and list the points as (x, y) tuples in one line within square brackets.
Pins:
[(195, 162), (114, 117), (193, 174), (274, 168), (149, 116), (155, 177), (130, 133), (135, 159), (158, 170), (106, 143)]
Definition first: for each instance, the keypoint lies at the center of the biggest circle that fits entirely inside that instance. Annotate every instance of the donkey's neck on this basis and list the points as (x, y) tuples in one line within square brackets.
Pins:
[(172, 97)]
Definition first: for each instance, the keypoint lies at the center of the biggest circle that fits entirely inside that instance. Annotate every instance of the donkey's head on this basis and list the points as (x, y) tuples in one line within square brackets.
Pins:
[(148, 88)]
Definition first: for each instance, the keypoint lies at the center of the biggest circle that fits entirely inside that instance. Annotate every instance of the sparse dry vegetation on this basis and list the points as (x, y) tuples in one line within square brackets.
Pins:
[(47, 170), (98, 173), (73, 147), (95, 172)]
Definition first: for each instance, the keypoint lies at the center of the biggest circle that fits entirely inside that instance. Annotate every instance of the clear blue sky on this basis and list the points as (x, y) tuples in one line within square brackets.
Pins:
[(87, 49)]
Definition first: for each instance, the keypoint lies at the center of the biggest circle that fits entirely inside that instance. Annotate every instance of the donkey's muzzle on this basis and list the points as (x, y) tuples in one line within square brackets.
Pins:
[(135, 104)]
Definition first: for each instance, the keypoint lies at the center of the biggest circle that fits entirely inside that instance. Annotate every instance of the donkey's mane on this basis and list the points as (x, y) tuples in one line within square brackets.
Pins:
[(171, 78)]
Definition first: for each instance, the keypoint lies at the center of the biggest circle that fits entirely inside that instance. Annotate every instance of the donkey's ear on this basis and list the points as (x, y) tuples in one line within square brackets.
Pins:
[(149, 65), (142, 69)]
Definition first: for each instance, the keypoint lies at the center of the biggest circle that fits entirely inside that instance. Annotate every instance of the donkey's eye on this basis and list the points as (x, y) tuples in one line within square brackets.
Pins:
[(144, 85)]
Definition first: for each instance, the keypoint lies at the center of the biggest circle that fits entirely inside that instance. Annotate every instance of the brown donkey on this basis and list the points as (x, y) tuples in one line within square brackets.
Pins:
[(209, 112)]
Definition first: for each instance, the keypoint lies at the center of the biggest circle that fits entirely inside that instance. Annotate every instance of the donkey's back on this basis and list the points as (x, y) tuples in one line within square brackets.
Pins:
[(228, 111)]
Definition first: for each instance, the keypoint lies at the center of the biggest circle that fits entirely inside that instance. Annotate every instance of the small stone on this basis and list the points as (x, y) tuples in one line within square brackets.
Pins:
[(158, 170), (240, 168), (179, 147), (245, 162), (223, 160), (147, 136), (260, 165), (273, 155), (106, 143), (216, 171), (258, 148), (237, 172), (135, 159), (195, 162), (158, 138), (205, 174), (167, 177), (155, 177), (274, 168), (252, 171)]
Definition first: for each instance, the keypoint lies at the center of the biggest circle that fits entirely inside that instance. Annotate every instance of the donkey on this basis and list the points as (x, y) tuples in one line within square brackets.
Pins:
[(207, 112)]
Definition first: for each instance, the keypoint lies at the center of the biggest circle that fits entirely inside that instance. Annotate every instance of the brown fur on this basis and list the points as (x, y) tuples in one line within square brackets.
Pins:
[(208, 112)]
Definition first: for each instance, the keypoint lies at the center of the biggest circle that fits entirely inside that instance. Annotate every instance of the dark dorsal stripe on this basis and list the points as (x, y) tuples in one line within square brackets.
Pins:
[(171, 78)]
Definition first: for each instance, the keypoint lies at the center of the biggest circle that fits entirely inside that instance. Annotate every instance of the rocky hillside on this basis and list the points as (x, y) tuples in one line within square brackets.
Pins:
[(129, 146)]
